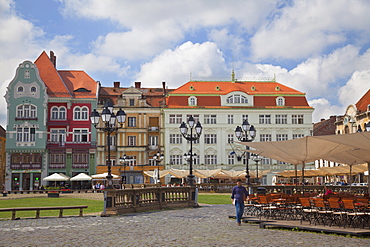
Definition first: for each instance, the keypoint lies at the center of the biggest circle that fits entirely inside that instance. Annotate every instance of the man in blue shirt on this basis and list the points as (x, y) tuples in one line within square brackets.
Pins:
[(238, 196)]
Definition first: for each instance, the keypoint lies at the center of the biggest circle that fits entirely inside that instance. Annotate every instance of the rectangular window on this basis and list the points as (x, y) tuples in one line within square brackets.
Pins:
[(131, 121), (281, 137), (132, 102), (80, 159), (175, 159), (230, 160), (296, 136), (297, 119), (281, 119), (175, 138), (265, 161), (265, 137), (265, 119), (210, 159), (230, 138), (210, 119), (175, 118), (230, 119), (244, 117), (210, 138), (26, 134), (80, 135), (153, 140), (131, 140)]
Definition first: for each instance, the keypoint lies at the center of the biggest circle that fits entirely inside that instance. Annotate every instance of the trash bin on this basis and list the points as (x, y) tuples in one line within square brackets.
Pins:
[(5, 194), (261, 191)]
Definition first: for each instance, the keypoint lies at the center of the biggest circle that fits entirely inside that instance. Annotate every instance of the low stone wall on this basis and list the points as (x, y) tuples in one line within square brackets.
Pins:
[(145, 199)]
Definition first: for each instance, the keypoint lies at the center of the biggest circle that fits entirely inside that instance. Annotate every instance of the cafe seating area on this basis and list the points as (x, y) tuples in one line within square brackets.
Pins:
[(343, 210)]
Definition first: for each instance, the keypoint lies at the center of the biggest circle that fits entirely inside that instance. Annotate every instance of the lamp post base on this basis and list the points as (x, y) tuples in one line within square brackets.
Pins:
[(190, 180)]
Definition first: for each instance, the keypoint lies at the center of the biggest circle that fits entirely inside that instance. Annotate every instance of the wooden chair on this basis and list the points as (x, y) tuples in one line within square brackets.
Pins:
[(322, 214), (354, 217), (307, 212), (338, 213)]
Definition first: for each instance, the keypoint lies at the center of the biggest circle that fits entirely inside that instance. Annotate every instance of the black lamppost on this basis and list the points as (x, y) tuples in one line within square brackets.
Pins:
[(367, 126), (246, 133), (109, 126), (123, 160), (190, 137), (158, 157), (256, 158)]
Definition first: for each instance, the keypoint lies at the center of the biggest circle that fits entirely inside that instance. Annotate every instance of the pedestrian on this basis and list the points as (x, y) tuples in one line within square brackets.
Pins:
[(238, 196)]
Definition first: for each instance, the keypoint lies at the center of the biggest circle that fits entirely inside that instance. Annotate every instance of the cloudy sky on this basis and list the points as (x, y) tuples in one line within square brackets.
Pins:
[(320, 47)]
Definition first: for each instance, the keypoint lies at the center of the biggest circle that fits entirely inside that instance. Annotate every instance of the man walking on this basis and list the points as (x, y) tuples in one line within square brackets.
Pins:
[(238, 196)]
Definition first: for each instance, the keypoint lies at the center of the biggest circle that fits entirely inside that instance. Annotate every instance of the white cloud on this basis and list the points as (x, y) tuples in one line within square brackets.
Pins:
[(355, 88), (145, 29), (175, 66), (308, 27), (324, 109)]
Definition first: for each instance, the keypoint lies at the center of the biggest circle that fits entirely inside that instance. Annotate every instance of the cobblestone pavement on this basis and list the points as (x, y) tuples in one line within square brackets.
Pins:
[(208, 225)]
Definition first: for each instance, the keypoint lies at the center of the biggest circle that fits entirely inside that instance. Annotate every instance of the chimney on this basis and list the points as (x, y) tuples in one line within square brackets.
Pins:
[(164, 87), (137, 84), (53, 59), (116, 84)]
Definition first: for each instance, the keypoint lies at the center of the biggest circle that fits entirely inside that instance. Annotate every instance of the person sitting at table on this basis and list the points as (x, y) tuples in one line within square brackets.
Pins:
[(327, 191)]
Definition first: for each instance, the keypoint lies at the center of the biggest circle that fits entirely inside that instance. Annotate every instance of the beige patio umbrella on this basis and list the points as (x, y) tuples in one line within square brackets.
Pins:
[(161, 173), (206, 173), (178, 173), (298, 151)]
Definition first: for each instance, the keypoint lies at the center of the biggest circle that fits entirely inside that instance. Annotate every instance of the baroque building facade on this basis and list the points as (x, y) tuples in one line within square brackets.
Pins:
[(276, 111), (48, 127), (141, 136)]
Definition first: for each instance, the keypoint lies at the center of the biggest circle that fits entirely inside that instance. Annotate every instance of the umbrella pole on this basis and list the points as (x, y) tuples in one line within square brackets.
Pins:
[(296, 177), (350, 178), (302, 177), (368, 177)]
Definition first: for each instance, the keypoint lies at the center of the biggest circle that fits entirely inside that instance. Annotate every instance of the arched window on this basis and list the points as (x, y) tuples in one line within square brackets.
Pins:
[(26, 111), (280, 101), (62, 113), (192, 101), (84, 113), (77, 113), (33, 89), (54, 113), (20, 89)]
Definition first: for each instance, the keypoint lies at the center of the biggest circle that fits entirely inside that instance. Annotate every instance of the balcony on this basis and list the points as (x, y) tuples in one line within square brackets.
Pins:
[(153, 147), (154, 128)]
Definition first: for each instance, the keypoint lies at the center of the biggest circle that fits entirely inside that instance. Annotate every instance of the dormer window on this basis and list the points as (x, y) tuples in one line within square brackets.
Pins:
[(237, 99), (280, 101), (192, 101)]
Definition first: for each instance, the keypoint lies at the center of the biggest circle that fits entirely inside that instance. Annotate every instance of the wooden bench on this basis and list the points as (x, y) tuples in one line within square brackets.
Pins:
[(38, 209)]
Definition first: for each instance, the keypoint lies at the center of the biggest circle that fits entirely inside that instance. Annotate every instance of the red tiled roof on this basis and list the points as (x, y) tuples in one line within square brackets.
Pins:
[(153, 96), (80, 84), (225, 87), (265, 94), (65, 83), (362, 104), (48, 73)]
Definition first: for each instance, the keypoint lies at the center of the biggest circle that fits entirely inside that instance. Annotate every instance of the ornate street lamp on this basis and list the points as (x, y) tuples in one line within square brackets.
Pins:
[(123, 160), (256, 158), (158, 157), (246, 133), (191, 137), (110, 126)]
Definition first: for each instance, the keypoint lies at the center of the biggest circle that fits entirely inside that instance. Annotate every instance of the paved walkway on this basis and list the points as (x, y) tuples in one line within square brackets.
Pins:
[(205, 226)]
